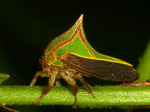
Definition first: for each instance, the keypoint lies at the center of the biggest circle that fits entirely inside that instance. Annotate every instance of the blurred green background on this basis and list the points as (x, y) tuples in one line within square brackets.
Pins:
[(120, 29)]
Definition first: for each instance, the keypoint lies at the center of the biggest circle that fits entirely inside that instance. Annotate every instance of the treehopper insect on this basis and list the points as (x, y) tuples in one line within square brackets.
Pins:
[(70, 56)]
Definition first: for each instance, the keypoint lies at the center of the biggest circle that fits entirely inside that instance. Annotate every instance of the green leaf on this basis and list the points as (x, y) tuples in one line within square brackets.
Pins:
[(3, 77), (144, 65)]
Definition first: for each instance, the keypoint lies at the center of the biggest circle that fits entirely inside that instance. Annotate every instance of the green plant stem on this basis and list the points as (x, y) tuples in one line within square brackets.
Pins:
[(105, 96), (144, 65)]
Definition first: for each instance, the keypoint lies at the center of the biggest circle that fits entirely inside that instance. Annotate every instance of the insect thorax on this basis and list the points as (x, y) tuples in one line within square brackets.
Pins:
[(58, 71)]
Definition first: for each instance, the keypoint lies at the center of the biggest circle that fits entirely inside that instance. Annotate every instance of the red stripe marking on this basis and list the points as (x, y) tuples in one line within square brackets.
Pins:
[(78, 30), (65, 42), (84, 41)]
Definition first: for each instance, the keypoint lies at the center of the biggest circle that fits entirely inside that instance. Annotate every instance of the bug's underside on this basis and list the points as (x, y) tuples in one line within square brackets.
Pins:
[(55, 73), (74, 67)]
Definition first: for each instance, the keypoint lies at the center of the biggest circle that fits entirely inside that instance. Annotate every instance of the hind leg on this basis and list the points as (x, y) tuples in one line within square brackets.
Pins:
[(86, 85)]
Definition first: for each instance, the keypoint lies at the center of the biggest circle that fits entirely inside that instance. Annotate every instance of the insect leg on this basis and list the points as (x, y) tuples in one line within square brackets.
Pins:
[(74, 88), (57, 82), (47, 88), (87, 85), (39, 73)]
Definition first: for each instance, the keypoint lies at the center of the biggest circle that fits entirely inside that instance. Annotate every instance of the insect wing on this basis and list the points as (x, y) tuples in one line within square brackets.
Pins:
[(105, 70)]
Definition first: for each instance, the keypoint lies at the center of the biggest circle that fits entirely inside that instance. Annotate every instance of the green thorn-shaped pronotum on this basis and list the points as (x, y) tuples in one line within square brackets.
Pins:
[(70, 56), (75, 42)]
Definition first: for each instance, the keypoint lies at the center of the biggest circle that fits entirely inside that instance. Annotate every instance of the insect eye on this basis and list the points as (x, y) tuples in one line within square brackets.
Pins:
[(48, 64), (43, 62)]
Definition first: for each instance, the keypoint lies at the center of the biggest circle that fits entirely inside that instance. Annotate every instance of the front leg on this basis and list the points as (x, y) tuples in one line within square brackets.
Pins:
[(47, 88), (39, 73)]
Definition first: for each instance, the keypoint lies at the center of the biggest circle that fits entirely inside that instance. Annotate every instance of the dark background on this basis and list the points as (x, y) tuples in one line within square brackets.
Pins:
[(119, 29)]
